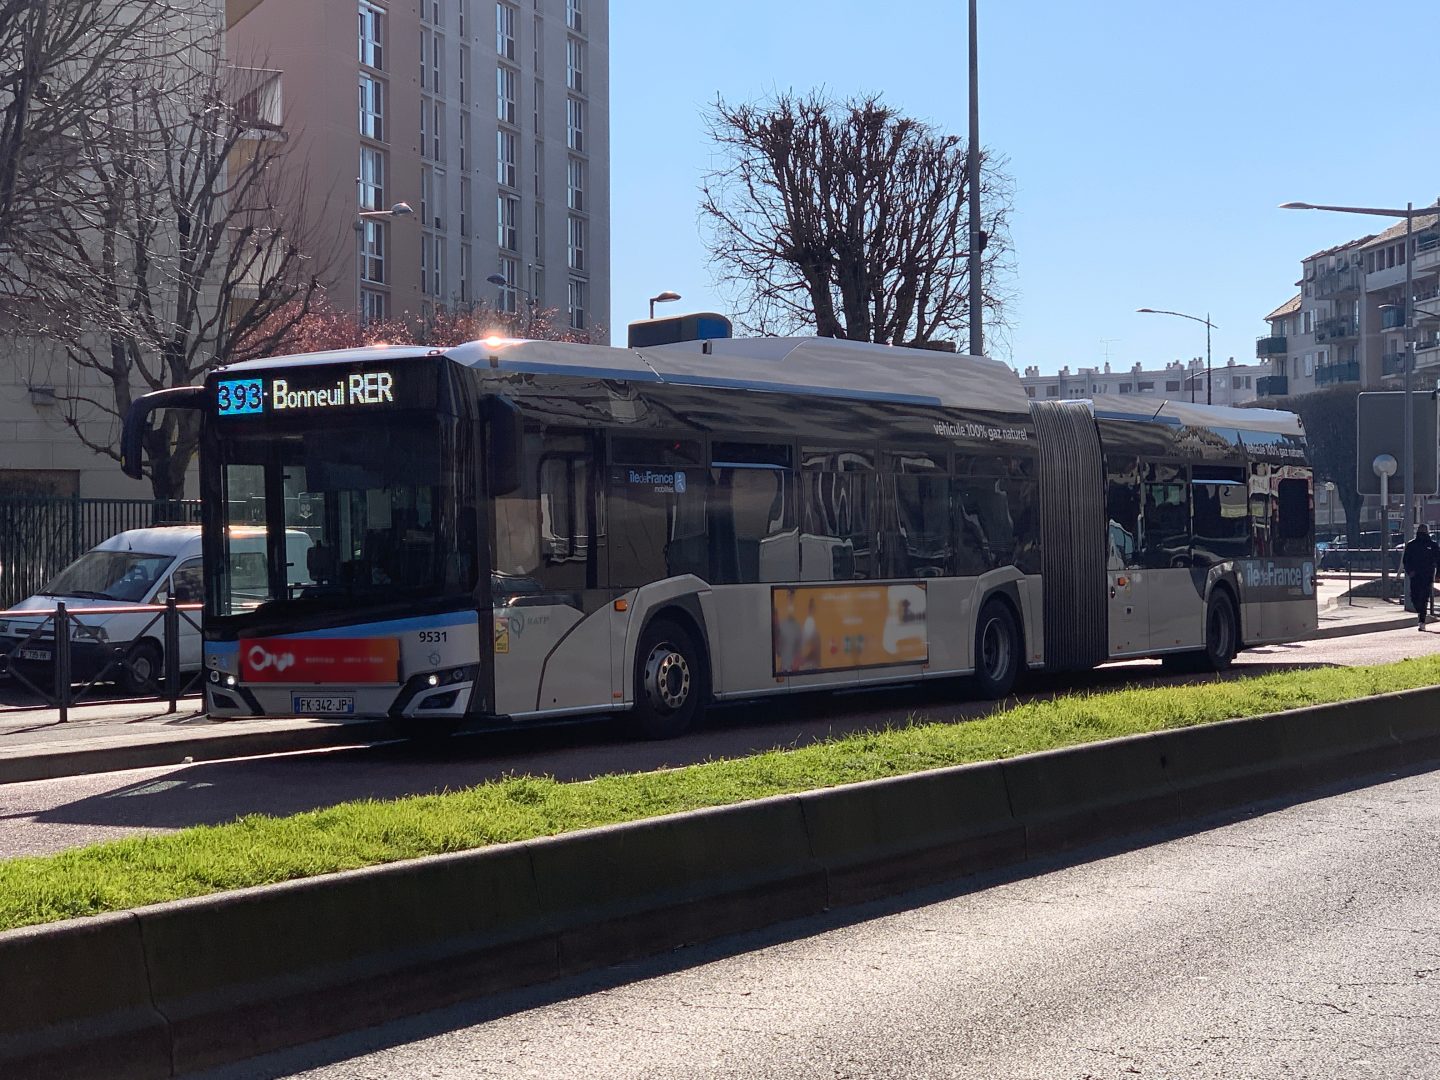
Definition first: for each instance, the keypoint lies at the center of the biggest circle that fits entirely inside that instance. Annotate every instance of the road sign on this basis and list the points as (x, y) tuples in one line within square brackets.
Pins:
[(1380, 429)]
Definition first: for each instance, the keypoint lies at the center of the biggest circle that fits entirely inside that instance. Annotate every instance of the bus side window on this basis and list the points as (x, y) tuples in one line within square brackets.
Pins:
[(1122, 507), (1167, 518), (1293, 532)]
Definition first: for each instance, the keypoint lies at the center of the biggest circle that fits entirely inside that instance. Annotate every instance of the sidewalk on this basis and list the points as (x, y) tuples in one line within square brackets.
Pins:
[(134, 735)]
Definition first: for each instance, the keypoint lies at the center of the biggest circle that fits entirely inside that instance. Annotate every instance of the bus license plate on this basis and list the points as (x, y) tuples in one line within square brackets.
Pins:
[(309, 704), (33, 654)]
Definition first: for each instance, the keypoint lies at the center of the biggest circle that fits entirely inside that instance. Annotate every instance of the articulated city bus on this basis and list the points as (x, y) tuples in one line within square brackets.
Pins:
[(524, 530)]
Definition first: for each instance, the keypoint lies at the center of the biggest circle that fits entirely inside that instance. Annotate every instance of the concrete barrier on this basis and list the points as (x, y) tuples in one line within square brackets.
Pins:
[(75, 1002), (182, 986)]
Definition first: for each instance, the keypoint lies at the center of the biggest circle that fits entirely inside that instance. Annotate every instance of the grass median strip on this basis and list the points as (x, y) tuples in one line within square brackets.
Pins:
[(259, 850)]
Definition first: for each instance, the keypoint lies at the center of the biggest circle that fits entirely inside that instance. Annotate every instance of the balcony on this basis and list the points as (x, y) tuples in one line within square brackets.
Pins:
[(1334, 374), (1392, 363), (1344, 282), (1272, 385), (1337, 329), (1269, 346)]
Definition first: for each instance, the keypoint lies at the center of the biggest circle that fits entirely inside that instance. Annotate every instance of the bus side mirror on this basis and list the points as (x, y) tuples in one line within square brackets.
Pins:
[(137, 422), (504, 445)]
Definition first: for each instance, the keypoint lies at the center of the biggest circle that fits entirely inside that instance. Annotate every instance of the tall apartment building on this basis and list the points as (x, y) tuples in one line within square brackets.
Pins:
[(489, 118), (1347, 323), (1225, 384)]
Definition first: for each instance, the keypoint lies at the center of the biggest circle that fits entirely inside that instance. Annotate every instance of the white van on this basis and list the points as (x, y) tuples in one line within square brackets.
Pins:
[(142, 566)]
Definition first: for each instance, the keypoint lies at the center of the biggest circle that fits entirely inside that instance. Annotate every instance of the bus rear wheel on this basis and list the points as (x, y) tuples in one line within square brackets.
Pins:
[(997, 650), (1222, 633), (669, 681)]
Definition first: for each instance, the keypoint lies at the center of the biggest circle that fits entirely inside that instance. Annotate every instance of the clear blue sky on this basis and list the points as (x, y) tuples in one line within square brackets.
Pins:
[(1150, 142)]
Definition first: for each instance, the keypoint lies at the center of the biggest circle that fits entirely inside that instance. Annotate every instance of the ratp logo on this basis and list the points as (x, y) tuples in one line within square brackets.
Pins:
[(261, 659)]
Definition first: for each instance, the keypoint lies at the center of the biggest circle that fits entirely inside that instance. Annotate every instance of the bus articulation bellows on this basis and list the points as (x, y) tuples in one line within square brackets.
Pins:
[(520, 530)]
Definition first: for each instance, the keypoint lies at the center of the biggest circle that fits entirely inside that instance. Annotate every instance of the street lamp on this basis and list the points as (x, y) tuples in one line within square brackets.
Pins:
[(664, 298), (1209, 388), (1408, 433), (504, 283), (399, 209), (972, 178)]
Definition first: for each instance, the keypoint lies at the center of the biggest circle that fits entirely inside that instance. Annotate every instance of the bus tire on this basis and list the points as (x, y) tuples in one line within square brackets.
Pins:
[(670, 682), (141, 671), (997, 650), (1222, 632)]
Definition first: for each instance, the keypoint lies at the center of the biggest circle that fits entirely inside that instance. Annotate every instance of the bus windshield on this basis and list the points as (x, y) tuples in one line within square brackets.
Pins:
[(357, 512)]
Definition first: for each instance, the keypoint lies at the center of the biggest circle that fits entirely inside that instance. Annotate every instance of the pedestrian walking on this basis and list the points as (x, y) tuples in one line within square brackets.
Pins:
[(1421, 557)]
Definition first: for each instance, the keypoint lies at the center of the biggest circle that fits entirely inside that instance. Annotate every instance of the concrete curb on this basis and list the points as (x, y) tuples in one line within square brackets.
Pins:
[(176, 987), (84, 760), (1372, 626)]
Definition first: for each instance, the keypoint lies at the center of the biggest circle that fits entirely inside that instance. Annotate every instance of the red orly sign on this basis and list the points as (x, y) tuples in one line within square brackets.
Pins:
[(320, 660)]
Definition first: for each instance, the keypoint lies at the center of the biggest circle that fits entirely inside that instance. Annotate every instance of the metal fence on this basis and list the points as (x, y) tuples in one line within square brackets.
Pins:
[(41, 535)]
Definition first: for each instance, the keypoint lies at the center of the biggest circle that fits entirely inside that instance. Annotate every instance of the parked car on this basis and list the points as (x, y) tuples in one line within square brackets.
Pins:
[(138, 567)]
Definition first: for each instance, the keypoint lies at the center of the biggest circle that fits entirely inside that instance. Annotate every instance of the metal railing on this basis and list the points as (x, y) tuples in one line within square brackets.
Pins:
[(40, 535), (65, 628)]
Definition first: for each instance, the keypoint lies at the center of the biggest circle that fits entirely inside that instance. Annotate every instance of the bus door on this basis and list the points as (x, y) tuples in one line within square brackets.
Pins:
[(552, 641), (1128, 618), (1174, 605)]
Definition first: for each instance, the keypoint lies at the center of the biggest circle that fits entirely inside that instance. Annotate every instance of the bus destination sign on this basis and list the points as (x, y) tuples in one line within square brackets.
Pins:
[(276, 395)]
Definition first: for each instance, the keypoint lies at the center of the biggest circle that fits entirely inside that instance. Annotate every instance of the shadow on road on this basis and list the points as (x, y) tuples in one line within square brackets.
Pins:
[(215, 792)]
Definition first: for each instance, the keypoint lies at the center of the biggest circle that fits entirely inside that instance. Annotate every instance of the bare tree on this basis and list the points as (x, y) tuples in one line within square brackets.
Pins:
[(166, 254), (55, 53), (849, 220)]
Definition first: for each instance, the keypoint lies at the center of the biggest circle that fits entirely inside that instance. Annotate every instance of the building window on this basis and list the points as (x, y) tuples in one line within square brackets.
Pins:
[(507, 215), (1052, 391), (436, 287), (432, 12), (575, 64), (437, 129), (537, 110), (505, 95), (431, 46), (464, 206), (505, 157), (575, 123), (537, 52), (432, 198), (372, 36), (372, 178), (464, 69), (505, 31), (464, 11), (372, 108), (575, 15), (372, 306), (575, 184), (464, 143), (465, 261), (577, 243), (539, 170), (510, 271), (539, 233), (372, 251), (577, 304)]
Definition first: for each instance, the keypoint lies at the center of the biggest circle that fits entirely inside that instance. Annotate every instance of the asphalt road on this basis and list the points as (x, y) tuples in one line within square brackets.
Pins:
[(51, 815), (1297, 943)]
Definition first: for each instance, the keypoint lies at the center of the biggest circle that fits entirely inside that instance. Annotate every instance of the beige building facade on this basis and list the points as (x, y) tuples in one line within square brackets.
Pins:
[(1347, 324), (1228, 383), (487, 118)]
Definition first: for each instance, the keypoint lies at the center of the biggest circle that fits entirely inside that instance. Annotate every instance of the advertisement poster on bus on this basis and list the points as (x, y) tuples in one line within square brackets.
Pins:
[(817, 628), (320, 660)]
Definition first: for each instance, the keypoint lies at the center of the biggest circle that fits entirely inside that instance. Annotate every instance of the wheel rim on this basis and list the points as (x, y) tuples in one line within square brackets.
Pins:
[(995, 650), (141, 668), (667, 678)]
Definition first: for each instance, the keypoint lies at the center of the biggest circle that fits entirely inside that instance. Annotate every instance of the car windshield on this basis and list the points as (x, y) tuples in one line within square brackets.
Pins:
[(127, 576)]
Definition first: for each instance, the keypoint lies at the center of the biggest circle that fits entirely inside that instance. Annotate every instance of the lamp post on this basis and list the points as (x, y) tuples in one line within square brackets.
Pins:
[(972, 178), (399, 209), (504, 283), (1408, 364), (664, 298), (1209, 387)]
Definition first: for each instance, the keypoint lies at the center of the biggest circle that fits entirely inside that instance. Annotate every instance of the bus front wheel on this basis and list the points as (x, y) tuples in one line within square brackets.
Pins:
[(997, 650), (669, 681)]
